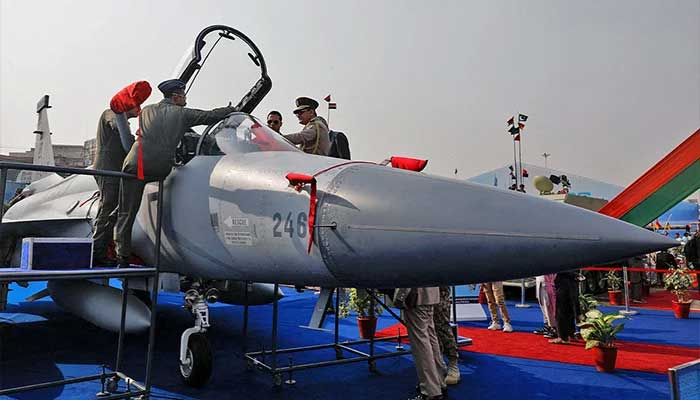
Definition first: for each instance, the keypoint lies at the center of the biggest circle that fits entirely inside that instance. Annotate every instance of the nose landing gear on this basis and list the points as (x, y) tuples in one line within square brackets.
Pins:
[(195, 350)]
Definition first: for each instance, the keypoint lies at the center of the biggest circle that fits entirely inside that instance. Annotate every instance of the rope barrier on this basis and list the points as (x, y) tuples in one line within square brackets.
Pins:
[(635, 269)]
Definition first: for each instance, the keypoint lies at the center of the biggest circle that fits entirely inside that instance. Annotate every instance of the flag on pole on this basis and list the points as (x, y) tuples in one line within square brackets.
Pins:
[(332, 106), (510, 121), (513, 130), (525, 174), (521, 126), (667, 227), (522, 118), (657, 225), (327, 98), (516, 138)]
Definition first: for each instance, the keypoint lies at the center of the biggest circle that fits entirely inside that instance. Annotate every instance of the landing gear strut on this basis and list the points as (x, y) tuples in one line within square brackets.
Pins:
[(195, 351)]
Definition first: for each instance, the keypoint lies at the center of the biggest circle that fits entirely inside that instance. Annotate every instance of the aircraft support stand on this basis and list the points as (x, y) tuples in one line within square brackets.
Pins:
[(257, 359), (110, 379)]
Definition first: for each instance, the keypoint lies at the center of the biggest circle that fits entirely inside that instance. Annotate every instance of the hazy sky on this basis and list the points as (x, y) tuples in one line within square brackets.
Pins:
[(610, 86)]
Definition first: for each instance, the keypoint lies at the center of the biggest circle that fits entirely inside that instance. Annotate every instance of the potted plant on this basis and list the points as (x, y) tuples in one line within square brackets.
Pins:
[(614, 283), (360, 302), (599, 333), (678, 282), (587, 302)]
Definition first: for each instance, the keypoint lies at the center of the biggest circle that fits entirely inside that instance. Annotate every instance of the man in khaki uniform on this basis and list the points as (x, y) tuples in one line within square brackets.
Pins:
[(162, 126), (314, 138), (417, 313)]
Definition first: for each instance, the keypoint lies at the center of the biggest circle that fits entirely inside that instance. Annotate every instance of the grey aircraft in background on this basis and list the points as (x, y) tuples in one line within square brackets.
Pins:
[(231, 215)]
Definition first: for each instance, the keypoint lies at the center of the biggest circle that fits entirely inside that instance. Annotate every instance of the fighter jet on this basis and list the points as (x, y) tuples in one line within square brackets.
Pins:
[(248, 206)]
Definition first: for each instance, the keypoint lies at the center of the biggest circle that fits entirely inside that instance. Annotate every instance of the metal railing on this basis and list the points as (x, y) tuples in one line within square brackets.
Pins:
[(144, 390)]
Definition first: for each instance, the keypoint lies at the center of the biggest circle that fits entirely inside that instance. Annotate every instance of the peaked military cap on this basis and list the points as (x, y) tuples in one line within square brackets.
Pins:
[(304, 103), (171, 86)]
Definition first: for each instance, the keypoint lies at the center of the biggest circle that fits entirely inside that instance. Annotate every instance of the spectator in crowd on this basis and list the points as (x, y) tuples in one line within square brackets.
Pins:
[(664, 260), (544, 291), (496, 301), (567, 306)]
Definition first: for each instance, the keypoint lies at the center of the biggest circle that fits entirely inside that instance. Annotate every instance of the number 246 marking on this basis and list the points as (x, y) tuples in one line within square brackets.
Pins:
[(289, 225)]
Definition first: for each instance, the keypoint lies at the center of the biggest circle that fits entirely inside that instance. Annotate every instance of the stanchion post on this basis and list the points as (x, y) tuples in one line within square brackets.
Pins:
[(120, 341), (626, 283), (522, 295), (275, 315), (154, 289)]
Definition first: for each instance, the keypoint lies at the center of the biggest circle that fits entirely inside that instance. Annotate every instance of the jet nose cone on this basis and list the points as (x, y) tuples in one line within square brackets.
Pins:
[(401, 229), (630, 239)]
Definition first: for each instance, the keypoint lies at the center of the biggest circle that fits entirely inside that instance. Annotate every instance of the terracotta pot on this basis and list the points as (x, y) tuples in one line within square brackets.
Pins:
[(615, 297), (604, 358), (681, 310), (367, 325)]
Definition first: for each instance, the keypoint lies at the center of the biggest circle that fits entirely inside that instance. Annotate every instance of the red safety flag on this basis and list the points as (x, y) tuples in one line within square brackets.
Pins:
[(521, 126), (510, 121), (298, 181), (525, 174), (327, 98), (411, 164), (657, 225), (516, 138), (332, 106)]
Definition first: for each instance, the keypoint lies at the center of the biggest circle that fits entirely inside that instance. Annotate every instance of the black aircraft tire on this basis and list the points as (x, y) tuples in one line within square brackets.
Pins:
[(199, 350)]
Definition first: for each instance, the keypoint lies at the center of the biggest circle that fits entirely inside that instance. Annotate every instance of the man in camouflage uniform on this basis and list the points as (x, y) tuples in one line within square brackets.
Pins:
[(314, 138), (448, 344), (162, 127)]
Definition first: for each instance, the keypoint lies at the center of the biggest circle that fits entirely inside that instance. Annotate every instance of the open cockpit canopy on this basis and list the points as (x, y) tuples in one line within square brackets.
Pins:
[(241, 133)]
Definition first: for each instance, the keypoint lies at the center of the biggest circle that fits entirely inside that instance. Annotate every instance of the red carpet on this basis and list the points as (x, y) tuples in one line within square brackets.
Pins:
[(660, 299), (631, 355)]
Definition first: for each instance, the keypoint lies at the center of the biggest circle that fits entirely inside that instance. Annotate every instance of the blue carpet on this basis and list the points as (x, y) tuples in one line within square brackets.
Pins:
[(64, 346)]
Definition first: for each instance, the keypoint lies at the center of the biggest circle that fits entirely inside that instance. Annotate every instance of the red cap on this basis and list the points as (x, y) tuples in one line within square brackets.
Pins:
[(130, 97)]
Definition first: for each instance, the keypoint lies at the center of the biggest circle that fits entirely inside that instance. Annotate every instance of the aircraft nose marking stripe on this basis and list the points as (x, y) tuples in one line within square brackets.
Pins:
[(473, 233)]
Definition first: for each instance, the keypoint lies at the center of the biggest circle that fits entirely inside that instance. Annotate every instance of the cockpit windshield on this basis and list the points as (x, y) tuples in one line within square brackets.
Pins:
[(241, 133)]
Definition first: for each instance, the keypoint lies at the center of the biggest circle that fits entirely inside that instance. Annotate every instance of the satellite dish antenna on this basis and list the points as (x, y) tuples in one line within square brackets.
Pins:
[(543, 184)]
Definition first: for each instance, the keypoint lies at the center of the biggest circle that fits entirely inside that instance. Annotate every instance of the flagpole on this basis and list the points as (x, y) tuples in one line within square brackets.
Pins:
[(515, 163), (329, 115), (520, 153)]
